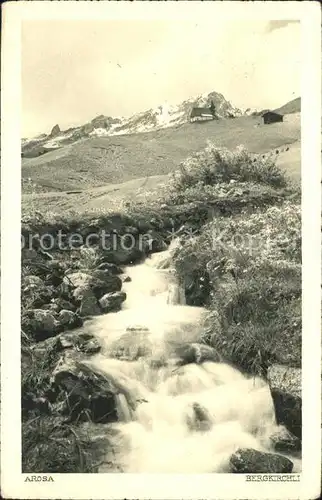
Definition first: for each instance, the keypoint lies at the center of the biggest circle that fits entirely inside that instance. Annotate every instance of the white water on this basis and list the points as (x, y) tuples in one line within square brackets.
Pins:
[(159, 432)]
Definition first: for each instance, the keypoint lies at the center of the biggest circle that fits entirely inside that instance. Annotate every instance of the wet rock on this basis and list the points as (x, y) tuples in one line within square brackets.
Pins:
[(40, 324), (284, 441), (247, 460), (100, 282), (199, 419), (111, 268), (131, 346), (126, 279), (82, 342), (69, 319), (196, 353), (153, 242), (85, 393), (112, 301), (285, 386), (112, 283), (127, 252)]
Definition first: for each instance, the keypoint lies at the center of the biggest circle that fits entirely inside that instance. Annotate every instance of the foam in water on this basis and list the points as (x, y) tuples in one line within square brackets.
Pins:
[(181, 419)]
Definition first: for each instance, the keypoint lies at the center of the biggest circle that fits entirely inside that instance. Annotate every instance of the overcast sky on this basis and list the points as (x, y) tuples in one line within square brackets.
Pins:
[(73, 71)]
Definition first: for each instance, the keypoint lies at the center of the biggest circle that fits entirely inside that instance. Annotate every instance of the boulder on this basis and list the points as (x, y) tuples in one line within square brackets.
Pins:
[(108, 266), (40, 324), (60, 304), (196, 353), (284, 441), (153, 242), (112, 282), (131, 346), (199, 419), (248, 460), (285, 387), (88, 305), (86, 394), (112, 301), (99, 282), (82, 342), (69, 319)]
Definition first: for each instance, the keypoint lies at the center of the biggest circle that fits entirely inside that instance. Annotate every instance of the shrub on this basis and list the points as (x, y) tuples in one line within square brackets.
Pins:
[(50, 446), (216, 165)]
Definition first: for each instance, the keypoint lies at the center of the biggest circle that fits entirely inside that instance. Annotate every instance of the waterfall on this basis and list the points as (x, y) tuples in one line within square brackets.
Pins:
[(180, 410)]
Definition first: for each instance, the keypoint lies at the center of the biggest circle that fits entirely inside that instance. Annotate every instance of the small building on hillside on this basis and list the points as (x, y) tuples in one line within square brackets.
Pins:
[(271, 117), (201, 114)]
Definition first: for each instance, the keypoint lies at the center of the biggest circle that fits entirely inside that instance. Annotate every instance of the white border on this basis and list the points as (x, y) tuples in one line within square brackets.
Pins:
[(165, 486)]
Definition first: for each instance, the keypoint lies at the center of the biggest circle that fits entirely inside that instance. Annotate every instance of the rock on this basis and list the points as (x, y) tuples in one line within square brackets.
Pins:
[(69, 319), (87, 300), (78, 279), (99, 282), (63, 304), (199, 419), (196, 353), (153, 242), (247, 460), (35, 292), (32, 281), (87, 394), (284, 441), (127, 250), (40, 324), (126, 279), (55, 131), (112, 282), (82, 342), (108, 266), (285, 386), (112, 301), (131, 346), (197, 288)]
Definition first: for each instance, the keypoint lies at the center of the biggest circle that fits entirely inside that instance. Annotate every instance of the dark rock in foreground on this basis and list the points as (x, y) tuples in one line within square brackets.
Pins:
[(85, 394), (247, 460), (285, 386), (284, 441), (196, 353), (112, 301)]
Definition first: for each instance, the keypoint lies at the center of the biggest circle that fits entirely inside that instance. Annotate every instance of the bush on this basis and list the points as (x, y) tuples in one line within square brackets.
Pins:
[(249, 269), (218, 165)]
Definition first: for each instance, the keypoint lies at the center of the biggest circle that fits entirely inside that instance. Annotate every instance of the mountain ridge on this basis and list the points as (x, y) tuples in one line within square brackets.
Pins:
[(163, 116)]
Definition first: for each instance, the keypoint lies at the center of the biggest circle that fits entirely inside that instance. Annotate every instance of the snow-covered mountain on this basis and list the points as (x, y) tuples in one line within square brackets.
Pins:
[(163, 116)]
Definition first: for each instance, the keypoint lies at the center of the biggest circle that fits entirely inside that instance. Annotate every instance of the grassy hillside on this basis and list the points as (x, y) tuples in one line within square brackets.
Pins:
[(293, 106), (99, 161)]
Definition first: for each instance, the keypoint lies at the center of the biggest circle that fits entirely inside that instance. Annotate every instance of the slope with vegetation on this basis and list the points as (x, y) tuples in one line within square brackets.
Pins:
[(238, 220)]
